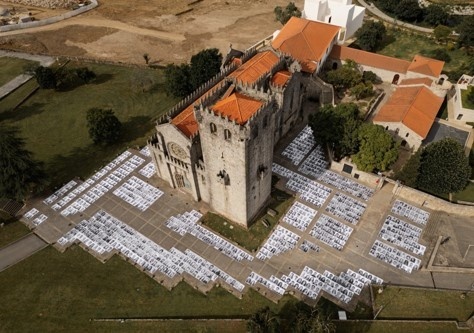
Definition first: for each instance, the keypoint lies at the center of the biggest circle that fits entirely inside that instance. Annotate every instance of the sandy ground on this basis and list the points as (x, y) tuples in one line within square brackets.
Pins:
[(119, 31)]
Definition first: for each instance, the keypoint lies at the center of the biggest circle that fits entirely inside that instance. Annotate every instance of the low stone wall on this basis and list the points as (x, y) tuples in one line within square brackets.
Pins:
[(432, 202), (369, 179), (50, 20)]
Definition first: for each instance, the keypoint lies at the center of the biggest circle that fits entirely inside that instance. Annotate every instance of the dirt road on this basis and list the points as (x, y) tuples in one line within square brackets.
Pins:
[(119, 32)]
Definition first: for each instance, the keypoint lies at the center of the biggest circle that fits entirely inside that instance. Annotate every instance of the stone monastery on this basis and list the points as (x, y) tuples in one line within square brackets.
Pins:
[(217, 144)]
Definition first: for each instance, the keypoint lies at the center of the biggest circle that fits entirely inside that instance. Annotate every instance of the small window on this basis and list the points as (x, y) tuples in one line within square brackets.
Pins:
[(213, 128), (406, 135), (459, 117), (227, 134), (386, 128)]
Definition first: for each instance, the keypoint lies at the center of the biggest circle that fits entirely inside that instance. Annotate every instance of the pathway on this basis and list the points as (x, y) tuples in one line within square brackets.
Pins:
[(19, 250), (21, 79), (381, 15)]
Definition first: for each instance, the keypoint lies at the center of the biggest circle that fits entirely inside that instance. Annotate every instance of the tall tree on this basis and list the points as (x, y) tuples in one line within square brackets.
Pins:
[(103, 125), (204, 66), (436, 15), (344, 77), (312, 321), (444, 167), (466, 31), (408, 175), (177, 80), (20, 174), (409, 10), (264, 321), (45, 77), (377, 150), (337, 127), (371, 35), (283, 15)]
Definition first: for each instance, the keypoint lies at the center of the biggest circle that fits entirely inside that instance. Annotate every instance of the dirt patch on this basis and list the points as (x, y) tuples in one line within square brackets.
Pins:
[(119, 32)]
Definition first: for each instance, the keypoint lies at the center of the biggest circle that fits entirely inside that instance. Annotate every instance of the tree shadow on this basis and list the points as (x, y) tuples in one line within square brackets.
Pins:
[(389, 39), (135, 127), (102, 78), (22, 112)]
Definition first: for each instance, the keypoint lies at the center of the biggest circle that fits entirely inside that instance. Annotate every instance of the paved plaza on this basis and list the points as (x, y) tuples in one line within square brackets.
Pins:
[(338, 236)]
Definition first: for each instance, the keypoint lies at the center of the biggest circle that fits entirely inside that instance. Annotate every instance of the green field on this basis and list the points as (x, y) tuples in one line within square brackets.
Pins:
[(54, 126), (408, 303), (252, 238), (405, 45), (11, 68), (396, 327), (11, 232), (61, 292)]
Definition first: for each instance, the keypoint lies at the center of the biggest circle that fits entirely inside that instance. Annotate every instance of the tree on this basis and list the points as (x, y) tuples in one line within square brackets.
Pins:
[(177, 80), (444, 167), (312, 321), (378, 150), (371, 35), (337, 127), (369, 76), (408, 175), (442, 33), (264, 321), (284, 15), (466, 32), (204, 66), (20, 174), (146, 57), (388, 5), (345, 77), (103, 125), (45, 77), (409, 10), (85, 74), (436, 15), (362, 90)]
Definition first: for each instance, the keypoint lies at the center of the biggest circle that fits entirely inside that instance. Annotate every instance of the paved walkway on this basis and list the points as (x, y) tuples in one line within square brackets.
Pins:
[(19, 250), (22, 78), (381, 15)]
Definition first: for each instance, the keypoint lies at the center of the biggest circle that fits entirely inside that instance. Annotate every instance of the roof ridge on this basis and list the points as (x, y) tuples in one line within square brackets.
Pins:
[(420, 88), (238, 107)]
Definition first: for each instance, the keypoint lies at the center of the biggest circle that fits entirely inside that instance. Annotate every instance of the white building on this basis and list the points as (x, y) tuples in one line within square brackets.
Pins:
[(462, 112), (337, 12)]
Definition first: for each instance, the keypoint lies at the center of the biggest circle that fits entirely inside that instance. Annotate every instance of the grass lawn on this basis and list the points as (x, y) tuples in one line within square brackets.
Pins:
[(395, 327), (54, 126), (467, 194), (61, 292), (12, 231), (252, 238), (408, 303), (11, 68), (465, 103), (405, 45)]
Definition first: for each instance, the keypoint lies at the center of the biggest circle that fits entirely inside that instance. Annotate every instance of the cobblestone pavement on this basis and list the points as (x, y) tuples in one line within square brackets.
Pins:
[(151, 224)]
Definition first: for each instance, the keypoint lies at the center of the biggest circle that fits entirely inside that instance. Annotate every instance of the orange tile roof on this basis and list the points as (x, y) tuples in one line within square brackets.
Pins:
[(422, 80), (237, 107), (185, 120), (426, 66), (280, 78), (415, 107), (253, 69), (306, 41), (370, 59)]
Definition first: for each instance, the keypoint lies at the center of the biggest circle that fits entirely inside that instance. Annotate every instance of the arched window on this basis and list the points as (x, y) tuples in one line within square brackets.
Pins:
[(396, 77), (213, 128), (227, 134)]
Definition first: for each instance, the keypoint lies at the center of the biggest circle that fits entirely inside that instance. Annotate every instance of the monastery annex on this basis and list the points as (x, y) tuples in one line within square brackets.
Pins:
[(217, 144)]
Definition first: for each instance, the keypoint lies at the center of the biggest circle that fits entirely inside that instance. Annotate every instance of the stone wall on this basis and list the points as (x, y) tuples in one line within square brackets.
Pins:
[(431, 202), (46, 3), (50, 20)]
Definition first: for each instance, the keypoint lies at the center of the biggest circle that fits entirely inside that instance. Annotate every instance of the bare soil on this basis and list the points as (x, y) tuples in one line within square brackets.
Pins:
[(122, 31)]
